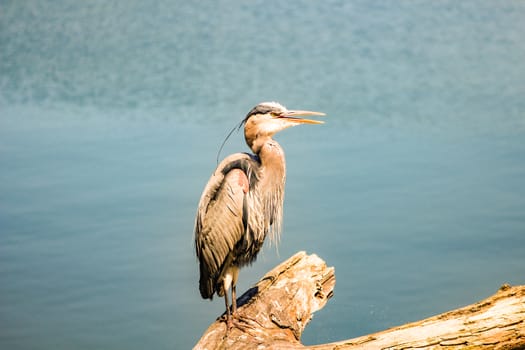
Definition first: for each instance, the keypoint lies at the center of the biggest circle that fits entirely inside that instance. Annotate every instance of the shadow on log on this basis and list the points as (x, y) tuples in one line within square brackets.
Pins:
[(274, 313)]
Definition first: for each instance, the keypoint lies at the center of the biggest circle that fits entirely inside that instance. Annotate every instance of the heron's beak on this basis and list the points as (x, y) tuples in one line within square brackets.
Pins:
[(294, 116)]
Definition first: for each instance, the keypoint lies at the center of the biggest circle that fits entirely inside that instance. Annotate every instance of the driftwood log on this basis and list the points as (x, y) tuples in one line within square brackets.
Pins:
[(274, 313)]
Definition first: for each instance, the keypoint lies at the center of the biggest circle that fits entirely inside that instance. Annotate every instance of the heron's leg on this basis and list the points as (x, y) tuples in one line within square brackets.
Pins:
[(235, 275), (228, 316), (234, 301)]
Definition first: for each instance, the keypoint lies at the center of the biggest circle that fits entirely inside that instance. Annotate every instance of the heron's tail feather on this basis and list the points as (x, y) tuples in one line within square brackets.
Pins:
[(206, 285)]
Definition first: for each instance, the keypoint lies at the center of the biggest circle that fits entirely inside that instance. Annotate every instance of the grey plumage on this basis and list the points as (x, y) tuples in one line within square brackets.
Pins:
[(230, 227), (242, 202)]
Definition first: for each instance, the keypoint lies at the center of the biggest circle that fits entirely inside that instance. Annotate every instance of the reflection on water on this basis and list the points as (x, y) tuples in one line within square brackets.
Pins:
[(112, 115)]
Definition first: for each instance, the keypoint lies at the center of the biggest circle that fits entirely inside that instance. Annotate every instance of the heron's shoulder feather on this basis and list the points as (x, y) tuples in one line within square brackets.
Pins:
[(246, 162), (218, 183)]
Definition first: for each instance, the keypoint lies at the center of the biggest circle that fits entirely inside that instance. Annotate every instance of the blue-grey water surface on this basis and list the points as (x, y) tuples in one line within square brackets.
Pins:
[(112, 112)]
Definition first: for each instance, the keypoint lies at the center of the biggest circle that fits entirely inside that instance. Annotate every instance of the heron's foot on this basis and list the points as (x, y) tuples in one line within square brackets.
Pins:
[(235, 321), (229, 325), (228, 320), (242, 324)]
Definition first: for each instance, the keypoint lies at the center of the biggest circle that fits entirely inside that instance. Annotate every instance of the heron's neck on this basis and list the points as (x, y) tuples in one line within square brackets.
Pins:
[(272, 172), (272, 159), (272, 175)]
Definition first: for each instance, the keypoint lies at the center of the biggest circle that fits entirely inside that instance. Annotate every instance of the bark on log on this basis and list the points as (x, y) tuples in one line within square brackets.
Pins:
[(274, 313)]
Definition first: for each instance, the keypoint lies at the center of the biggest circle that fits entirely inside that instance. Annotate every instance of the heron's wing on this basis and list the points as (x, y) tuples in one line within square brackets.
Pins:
[(222, 218)]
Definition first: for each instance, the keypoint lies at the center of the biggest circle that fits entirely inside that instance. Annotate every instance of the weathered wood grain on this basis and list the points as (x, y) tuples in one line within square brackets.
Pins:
[(274, 313)]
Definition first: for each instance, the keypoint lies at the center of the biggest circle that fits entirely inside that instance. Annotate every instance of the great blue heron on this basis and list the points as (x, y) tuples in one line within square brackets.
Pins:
[(243, 202)]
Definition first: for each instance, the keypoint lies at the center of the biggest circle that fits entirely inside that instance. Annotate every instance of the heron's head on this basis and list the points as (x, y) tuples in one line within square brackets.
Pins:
[(268, 118)]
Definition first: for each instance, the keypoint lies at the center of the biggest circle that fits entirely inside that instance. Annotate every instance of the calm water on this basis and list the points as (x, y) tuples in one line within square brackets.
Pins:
[(111, 114)]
